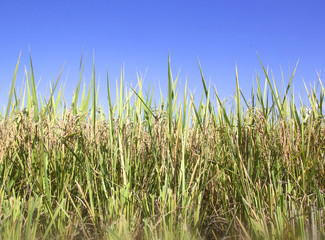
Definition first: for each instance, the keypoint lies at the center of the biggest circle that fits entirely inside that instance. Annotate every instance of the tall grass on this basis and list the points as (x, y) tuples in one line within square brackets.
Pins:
[(249, 169)]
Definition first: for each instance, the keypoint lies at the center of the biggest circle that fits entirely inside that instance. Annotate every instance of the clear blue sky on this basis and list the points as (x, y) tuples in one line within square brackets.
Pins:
[(140, 34)]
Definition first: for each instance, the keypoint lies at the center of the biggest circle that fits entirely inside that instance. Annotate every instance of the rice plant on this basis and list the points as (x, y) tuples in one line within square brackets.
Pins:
[(249, 168)]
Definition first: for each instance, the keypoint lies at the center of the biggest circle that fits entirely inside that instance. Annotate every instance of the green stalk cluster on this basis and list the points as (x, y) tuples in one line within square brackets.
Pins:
[(249, 169)]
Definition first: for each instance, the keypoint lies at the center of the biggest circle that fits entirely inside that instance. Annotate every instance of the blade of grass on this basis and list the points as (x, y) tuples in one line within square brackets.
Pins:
[(12, 88), (33, 90)]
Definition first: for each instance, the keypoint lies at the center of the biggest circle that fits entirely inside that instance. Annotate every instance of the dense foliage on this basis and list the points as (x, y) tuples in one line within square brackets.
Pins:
[(251, 168)]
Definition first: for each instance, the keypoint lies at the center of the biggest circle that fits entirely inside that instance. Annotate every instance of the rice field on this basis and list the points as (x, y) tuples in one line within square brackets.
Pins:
[(252, 167)]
